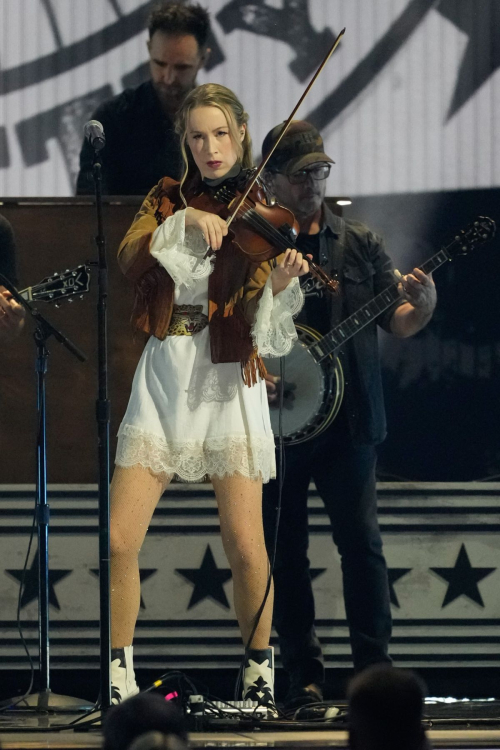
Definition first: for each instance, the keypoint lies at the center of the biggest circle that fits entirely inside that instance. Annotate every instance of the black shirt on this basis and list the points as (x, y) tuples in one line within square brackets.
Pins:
[(7, 251), (141, 145), (316, 312)]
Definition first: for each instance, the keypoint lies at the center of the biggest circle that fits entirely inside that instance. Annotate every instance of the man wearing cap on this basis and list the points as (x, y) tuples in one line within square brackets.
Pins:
[(342, 459)]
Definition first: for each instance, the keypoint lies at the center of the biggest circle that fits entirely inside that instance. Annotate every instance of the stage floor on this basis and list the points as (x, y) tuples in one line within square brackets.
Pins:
[(452, 738), (459, 725)]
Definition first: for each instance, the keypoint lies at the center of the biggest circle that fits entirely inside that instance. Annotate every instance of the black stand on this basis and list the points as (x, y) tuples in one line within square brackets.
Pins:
[(45, 699), (102, 415)]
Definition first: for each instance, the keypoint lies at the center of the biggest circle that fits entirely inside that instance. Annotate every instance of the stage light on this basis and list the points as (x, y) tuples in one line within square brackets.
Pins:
[(343, 202)]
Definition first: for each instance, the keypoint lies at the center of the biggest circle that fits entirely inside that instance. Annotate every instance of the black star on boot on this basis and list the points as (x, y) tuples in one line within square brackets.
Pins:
[(258, 677)]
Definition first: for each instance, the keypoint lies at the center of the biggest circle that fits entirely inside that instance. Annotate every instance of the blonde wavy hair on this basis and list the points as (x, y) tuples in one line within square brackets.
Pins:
[(214, 95)]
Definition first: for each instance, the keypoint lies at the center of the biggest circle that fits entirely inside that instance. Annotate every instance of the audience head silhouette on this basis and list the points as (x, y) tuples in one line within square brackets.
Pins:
[(144, 722), (385, 710)]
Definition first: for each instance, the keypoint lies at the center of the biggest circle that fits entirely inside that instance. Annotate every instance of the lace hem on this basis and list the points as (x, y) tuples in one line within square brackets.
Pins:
[(192, 460), (181, 250), (273, 331)]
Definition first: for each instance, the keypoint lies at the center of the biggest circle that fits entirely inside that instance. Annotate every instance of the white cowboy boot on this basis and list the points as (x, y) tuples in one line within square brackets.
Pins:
[(123, 684), (258, 677)]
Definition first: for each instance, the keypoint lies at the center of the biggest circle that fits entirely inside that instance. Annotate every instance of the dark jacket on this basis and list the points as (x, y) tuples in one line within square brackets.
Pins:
[(141, 145), (358, 255)]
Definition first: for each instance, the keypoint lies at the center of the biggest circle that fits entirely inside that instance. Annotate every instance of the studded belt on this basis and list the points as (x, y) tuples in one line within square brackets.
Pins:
[(187, 320)]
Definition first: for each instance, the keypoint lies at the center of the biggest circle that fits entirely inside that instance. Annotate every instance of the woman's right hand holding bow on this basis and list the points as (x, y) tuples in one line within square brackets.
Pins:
[(213, 228)]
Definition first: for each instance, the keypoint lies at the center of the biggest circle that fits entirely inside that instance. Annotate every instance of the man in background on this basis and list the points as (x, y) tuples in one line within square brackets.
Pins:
[(141, 143), (342, 459), (12, 314)]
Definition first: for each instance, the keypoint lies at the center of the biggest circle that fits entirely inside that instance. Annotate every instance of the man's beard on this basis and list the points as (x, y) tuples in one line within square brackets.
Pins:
[(310, 204), (171, 97)]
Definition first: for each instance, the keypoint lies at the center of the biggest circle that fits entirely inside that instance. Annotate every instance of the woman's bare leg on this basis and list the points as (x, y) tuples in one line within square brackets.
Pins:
[(240, 511), (135, 493)]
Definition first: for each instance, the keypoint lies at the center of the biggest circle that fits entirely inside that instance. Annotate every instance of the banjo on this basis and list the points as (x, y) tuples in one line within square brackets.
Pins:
[(314, 380)]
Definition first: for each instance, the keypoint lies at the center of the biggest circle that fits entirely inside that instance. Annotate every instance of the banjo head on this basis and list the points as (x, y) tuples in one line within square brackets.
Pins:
[(311, 390)]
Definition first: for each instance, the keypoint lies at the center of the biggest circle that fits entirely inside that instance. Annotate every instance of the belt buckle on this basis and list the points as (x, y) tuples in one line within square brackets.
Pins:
[(187, 320)]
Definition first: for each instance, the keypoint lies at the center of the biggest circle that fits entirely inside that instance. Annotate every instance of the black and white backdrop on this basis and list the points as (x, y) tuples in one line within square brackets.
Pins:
[(410, 102)]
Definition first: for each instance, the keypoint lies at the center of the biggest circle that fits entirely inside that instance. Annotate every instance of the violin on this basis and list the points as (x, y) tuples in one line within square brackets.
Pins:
[(260, 231)]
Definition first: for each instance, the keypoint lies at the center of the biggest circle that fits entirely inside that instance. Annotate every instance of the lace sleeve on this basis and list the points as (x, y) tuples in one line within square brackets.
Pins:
[(273, 331), (181, 250)]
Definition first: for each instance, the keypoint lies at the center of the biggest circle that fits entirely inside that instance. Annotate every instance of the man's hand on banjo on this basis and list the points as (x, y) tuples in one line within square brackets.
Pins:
[(272, 388)]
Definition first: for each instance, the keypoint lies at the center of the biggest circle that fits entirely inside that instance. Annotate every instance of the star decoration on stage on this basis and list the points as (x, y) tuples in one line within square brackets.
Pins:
[(30, 590), (463, 579), (394, 574), (208, 580), (144, 574), (480, 20)]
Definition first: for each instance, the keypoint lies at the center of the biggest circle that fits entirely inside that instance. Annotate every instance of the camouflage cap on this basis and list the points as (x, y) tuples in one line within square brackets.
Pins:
[(302, 145)]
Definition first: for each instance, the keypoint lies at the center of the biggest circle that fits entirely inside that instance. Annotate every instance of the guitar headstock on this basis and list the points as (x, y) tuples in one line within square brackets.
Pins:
[(59, 286), (481, 230)]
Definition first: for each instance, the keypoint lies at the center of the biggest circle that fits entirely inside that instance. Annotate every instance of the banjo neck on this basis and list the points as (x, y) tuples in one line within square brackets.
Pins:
[(349, 327)]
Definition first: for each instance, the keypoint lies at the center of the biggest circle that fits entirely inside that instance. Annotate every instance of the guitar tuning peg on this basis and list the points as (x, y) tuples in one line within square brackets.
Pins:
[(55, 275), (51, 295), (67, 270), (57, 304), (70, 300)]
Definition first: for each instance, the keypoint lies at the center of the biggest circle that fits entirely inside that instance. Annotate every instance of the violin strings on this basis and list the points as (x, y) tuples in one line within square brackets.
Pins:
[(274, 236), (252, 217), (269, 232), (266, 229)]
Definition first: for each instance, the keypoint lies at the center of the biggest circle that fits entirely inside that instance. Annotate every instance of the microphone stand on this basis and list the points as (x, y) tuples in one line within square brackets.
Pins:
[(45, 700), (103, 417)]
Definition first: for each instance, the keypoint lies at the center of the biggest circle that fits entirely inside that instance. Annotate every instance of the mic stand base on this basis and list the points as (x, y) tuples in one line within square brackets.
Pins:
[(46, 700)]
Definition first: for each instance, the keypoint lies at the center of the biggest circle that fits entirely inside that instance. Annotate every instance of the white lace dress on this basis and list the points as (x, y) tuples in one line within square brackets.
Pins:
[(187, 416)]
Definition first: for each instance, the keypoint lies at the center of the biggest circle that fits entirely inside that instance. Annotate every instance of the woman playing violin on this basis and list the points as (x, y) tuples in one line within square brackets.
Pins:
[(198, 404)]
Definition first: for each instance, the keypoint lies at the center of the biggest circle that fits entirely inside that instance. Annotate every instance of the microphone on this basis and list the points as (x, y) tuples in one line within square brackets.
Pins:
[(94, 133)]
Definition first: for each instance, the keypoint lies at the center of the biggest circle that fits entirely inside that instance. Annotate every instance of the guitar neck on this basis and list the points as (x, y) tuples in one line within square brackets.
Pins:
[(349, 327)]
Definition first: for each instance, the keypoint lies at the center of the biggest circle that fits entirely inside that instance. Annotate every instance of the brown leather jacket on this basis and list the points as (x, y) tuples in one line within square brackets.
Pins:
[(234, 287)]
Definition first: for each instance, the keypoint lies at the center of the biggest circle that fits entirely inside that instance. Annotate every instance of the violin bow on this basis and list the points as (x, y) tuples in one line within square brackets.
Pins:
[(287, 124)]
